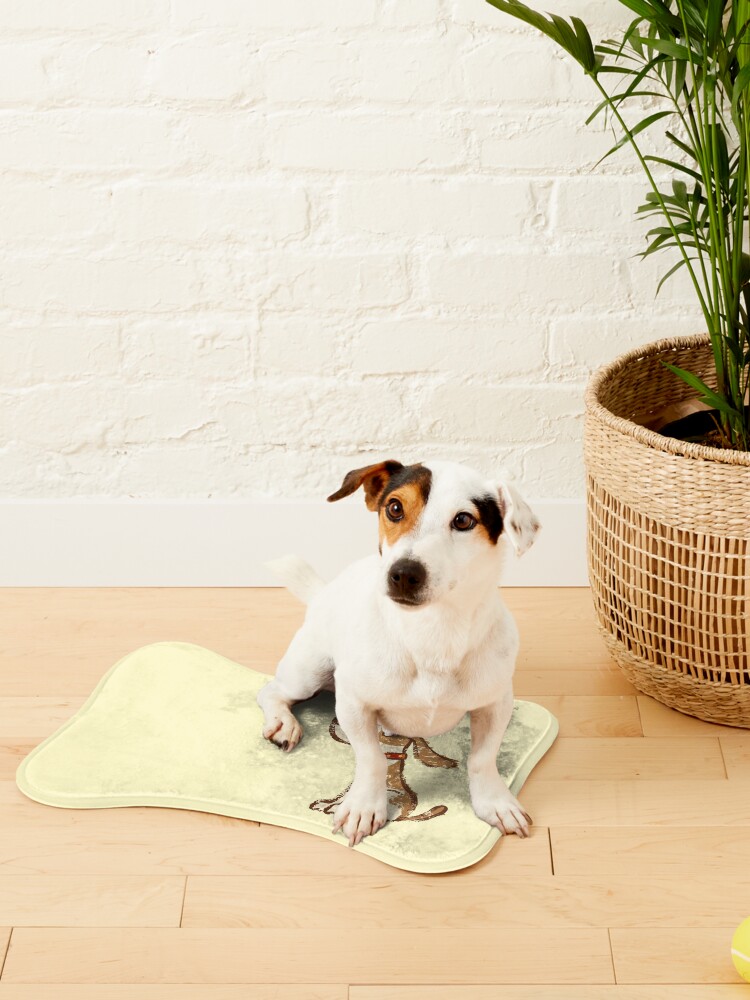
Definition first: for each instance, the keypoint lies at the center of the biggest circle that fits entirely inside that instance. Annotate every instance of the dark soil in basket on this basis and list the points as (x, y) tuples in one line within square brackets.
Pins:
[(698, 428)]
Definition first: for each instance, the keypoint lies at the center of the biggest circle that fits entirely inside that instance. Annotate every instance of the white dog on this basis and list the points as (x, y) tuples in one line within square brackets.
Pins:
[(415, 637)]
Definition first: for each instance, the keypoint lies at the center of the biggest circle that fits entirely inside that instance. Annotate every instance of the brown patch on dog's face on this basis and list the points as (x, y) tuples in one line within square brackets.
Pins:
[(402, 502)]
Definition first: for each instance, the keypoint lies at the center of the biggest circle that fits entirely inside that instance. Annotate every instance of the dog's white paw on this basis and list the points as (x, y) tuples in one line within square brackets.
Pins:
[(284, 731), (360, 814), (505, 812)]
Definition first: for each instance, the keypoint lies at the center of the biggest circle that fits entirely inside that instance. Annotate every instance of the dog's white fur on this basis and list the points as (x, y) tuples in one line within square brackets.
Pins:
[(414, 671)]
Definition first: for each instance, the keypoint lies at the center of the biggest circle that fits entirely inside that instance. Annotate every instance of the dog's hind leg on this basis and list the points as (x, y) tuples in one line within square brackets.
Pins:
[(303, 671)]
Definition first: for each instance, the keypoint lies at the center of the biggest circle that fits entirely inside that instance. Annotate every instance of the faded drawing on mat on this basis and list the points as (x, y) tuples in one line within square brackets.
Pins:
[(401, 796)]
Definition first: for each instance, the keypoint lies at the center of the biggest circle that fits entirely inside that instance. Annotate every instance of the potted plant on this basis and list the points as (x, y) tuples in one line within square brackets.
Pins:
[(667, 434)]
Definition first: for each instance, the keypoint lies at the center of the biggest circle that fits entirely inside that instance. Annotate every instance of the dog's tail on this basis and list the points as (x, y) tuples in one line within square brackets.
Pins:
[(297, 576)]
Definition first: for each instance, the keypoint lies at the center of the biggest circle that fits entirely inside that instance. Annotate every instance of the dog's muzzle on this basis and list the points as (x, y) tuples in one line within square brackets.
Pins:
[(407, 581)]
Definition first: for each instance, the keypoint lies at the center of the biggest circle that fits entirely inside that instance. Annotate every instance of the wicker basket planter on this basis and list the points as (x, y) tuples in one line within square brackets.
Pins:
[(668, 539)]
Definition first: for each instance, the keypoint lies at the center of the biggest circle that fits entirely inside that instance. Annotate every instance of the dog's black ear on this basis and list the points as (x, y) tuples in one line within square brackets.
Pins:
[(374, 478)]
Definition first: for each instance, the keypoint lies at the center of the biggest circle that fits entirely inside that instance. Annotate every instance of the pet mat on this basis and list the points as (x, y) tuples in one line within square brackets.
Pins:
[(176, 725)]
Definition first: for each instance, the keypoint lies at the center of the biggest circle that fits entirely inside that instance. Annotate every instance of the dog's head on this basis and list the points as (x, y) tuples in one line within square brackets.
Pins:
[(442, 528)]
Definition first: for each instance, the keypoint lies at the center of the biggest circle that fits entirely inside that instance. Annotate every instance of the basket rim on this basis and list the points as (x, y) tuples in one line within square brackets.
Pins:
[(648, 437)]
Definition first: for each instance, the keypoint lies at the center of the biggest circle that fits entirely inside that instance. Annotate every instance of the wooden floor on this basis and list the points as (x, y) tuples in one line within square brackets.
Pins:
[(629, 889)]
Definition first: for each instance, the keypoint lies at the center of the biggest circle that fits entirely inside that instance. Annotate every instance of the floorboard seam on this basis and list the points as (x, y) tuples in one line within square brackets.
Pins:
[(551, 855), (640, 717), (7, 952), (612, 956), (184, 894), (723, 758)]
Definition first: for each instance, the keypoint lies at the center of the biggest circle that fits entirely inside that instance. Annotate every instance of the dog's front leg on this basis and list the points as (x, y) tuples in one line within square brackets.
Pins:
[(493, 801), (364, 808)]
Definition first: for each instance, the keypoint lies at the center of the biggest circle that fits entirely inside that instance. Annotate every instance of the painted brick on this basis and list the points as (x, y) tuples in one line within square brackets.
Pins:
[(210, 348), (336, 283), (424, 70), (89, 141), (529, 282), (63, 418), (281, 14), (603, 18), (514, 68), (43, 209), (45, 352), (676, 293), (246, 247), (458, 207), (516, 414), (415, 345), (359, 413), (188, 72), (76, 472), (24, 77), (223, 142), (298, 71), (555, 468), (411, 13), (83, 15), (164, 411), (317, 414), (196, 213), (93, 286), (383, 70), (177, 467), (600, 208), (559, 143), (101, 72), (578, 344), (324, 142), (300, 343)]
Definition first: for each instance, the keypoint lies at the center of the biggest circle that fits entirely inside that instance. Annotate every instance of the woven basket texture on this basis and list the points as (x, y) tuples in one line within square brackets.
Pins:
[(668, 539)]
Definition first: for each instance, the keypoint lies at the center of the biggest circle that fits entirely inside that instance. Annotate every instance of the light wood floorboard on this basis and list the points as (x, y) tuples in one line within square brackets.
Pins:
[(642, 852), (30, 716), (637, 803), (530, 683), (658, 720), (182, 991), (426, 902), (587, 759), (236, 955), (594, 715), (736, 991), (635, 869), (673, 955), (736, 752), (91, 900)]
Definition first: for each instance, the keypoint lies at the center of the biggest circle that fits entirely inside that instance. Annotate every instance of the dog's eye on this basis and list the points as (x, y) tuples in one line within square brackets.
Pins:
[(394, 511), (463, 521)]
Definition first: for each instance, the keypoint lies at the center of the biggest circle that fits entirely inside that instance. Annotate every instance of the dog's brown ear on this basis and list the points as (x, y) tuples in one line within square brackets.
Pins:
[(374, 478)]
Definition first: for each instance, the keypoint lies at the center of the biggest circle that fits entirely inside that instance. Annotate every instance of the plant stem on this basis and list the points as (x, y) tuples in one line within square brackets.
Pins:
[(631, 139)]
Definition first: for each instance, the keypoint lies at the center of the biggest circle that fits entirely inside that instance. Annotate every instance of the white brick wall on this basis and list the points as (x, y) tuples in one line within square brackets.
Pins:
[(246, 245)]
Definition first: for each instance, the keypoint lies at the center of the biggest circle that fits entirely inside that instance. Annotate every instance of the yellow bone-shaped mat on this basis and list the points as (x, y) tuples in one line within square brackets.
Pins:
[(176, 725)]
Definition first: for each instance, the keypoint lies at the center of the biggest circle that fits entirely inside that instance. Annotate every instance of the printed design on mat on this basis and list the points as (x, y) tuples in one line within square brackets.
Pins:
[(400, 794)]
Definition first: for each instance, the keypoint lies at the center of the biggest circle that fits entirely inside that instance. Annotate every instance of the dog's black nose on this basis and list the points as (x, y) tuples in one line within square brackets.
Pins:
[(406, 578)]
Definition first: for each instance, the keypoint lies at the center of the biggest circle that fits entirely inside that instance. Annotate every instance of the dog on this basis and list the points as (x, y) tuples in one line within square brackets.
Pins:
[(412, 638)]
